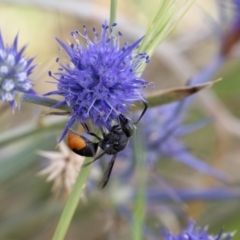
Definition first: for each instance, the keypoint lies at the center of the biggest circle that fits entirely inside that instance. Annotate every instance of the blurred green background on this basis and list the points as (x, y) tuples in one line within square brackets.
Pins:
[(28, 209)]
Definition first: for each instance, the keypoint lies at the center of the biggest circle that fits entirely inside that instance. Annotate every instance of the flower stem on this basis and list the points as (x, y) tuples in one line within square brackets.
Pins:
[(113, 11), (71, 204), (44, 101), (140, 200)]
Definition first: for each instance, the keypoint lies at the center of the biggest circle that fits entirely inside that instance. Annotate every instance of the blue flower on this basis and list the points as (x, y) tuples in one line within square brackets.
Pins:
[(102, 79), (195, 233), (14, 72), (162, 128)]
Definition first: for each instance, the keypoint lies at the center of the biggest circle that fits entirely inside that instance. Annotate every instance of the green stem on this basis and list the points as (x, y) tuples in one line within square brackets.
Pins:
[(113, 12), (71, 204), (140, 200)]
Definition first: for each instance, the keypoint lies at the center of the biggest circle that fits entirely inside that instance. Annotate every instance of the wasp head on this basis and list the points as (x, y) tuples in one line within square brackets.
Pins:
[(127, 125)]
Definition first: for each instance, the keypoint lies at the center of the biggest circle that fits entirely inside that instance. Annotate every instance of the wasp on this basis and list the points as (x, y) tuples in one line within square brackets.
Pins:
[(111, 143)]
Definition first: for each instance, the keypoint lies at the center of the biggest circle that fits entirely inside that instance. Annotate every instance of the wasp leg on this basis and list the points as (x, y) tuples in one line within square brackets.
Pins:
[(104, 133), (85, 127), (107, 173), (143, 112), (97, 157)]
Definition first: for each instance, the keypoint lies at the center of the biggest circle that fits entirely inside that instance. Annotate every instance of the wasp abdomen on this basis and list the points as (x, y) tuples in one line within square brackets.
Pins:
[(81, 145)]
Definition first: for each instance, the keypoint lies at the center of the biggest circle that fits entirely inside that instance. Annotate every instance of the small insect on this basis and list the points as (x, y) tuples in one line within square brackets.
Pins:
[(112, 142)]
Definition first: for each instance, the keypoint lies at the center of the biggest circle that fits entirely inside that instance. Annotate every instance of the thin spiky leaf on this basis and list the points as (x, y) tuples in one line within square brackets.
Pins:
[(176, 94)]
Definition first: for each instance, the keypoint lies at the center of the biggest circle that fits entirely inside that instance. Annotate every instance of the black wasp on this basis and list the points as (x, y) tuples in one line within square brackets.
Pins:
[(112, 142)]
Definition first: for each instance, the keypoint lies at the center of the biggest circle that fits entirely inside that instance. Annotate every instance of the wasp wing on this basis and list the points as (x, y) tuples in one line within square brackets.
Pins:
[(107, 173)]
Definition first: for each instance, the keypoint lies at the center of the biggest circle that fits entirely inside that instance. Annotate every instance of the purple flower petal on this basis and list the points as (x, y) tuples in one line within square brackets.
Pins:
[(181, 154)]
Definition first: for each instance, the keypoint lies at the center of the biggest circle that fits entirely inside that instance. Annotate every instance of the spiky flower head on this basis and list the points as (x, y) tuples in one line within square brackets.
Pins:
[(14, 72), (102, 79), (195, 233)]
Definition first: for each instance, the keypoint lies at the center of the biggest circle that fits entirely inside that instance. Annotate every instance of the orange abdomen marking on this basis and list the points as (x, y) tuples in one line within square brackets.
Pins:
[(75, 141)]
